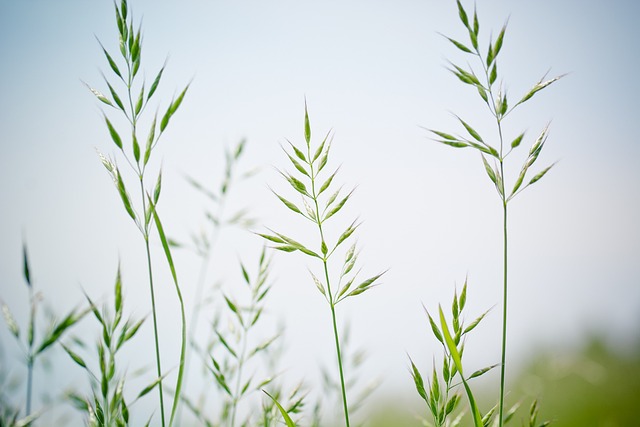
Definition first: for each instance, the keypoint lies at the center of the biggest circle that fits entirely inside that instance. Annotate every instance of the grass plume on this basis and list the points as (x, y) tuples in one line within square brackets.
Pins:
[(131, 103), (484, 79)]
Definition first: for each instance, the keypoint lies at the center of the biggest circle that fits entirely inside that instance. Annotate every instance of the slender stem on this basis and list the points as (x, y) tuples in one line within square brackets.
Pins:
[(503, 196), (504, 314), (202, 275), (29, 383), (330, 298), (30, 355), (335, 334), (339, 354), (153, 309), (505, 200), (241, 360), (155, 330)]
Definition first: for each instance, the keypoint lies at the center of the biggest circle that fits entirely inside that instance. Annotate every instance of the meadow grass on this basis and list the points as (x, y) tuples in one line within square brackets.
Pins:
[(107, 404), (203, 244), (136, 100), (232, 356), (32, 347), (484, 77), (317, 207)]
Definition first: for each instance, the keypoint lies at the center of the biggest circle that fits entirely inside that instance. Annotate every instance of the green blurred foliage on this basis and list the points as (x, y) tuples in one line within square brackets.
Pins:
[(597, 385)]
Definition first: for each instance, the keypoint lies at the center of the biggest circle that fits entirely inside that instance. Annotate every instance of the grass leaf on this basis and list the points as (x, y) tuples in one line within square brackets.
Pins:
[(115, 97), (76, 358), (337, 207), (297, 185), (459, 45), (321, 147), (493, 75), (271, 238), (126, 200), (540, 174), (288, 204), (327, 183), (173, 107), (418, 381), (25, 265), (99, 95), (112, 63), (183, 330), (516, 142), (475, 323), (462, 14), (307, 126), (150, 141), (471, 131), (348, 232), (114, 134), (490, 171), (434, 328), (283, 412), (54, 335), (11, 322), (455, 355), (297, 165), (155, 83), (498, 45), (538, 87), (365, 286), (482, 371)]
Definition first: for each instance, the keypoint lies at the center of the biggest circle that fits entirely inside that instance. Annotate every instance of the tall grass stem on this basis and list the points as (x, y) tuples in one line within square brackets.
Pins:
[(504, 316), (155, 327)]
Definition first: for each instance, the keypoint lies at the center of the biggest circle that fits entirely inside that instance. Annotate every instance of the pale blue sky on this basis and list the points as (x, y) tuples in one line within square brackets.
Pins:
[(374, 72)]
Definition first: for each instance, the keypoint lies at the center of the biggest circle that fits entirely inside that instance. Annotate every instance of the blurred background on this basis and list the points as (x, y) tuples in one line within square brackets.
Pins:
[(375, 73)]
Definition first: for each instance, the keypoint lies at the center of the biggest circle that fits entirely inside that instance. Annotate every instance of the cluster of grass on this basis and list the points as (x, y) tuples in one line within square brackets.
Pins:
[(241, 365)]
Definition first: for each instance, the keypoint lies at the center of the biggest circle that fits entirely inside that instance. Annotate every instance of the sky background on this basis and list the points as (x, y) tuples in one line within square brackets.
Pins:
[(374, 72)]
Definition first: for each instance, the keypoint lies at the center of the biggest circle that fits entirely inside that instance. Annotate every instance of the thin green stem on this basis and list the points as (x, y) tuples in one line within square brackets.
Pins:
[(337, 339), (153, 309), (330, 297), (504, 316), (503, 350), (505, 200), (241, 360), (29, 384), (155, 330)]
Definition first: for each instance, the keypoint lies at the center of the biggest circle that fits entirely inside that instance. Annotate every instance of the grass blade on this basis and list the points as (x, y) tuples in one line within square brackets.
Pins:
[(455, 355), (287, 418), (183, 331)]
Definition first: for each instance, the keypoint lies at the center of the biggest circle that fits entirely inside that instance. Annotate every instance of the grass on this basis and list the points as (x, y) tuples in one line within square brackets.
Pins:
[(237, 359), (204, 242), (135, 103), (32, 348), (107, 404), (319, 203), (485, 78)]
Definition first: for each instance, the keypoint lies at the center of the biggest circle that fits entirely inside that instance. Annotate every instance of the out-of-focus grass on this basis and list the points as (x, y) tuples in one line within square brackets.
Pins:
[(596, 386)]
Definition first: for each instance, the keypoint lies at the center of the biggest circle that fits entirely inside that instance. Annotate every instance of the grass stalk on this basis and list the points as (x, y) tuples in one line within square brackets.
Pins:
[(29, 385), (495, 98), (309, 165), (130, 50), (31, 348), (31, 340), (156, 338), (342, 385), (241, 362), (329, 293), (204, 245), (503, 358)]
